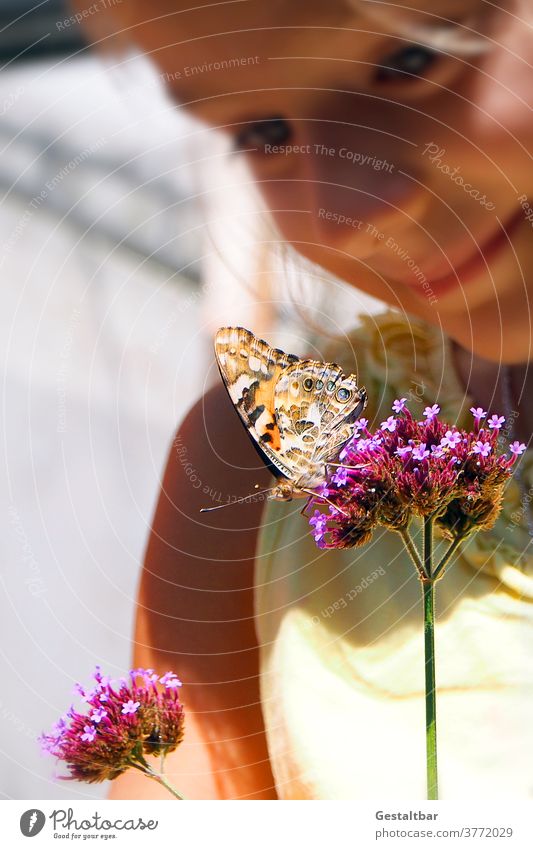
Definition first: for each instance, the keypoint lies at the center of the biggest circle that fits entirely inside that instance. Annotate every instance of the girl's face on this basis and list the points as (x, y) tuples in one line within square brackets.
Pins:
[(402, 169)]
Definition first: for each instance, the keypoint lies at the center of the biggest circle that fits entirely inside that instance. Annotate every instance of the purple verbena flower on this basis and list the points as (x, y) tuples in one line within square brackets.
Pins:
[(389, 425), (170, 679), (341, 476), (516, 448), (420, 452), (151, 675), (98, 714), (431, 412), (478, 413), (89, 733), (318, 522), (130, 707), (399, 405), (85, 695), (416, 469), (451, 439), (495, 422), (404, 450), (318, 519), (139, 719)]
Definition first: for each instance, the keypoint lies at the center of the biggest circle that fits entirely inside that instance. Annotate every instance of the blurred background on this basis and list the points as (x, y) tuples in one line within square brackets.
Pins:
[(128, 233)]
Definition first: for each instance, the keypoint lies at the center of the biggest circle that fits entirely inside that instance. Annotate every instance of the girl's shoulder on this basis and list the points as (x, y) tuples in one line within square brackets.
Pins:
[(195, 588), (195, 610)]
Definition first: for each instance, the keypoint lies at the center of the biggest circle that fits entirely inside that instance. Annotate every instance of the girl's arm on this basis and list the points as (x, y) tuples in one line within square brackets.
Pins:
[(195, 610)]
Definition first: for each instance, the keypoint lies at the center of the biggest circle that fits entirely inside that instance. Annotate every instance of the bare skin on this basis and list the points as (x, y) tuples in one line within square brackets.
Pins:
[(195, 610), (317, 73)]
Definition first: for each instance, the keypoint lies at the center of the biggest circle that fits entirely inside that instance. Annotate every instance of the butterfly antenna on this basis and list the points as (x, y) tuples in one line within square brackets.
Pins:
[(237, 501)]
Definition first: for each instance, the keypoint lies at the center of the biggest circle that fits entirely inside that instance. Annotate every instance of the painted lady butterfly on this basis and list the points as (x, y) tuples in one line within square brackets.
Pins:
[(299, 413)]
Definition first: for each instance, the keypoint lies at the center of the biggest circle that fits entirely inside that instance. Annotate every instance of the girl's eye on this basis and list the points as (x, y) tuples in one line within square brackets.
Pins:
[(260, 133), (410, 62)]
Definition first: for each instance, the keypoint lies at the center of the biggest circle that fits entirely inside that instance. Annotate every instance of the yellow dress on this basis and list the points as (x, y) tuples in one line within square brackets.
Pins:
[(340, 632)]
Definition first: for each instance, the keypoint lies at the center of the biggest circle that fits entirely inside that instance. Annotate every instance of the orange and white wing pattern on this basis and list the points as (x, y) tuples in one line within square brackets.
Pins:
[(298, 412), (315, 405), (250, 368)]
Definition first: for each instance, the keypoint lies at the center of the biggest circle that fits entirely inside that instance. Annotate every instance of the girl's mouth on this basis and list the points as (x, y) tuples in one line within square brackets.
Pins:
[(471, 268)]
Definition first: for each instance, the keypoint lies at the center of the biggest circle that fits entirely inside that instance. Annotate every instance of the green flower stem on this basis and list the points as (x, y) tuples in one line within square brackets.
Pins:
[(162, 780), (447, 556), (411, 550), (428, 546), (138, 761), (428, 589), (428, 578)]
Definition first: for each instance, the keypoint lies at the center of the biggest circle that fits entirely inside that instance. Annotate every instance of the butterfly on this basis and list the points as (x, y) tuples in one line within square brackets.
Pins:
[(299, 413)]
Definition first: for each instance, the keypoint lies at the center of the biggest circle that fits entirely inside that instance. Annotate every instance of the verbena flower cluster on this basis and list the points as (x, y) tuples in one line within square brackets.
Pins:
[(414, 468), (123, 722)]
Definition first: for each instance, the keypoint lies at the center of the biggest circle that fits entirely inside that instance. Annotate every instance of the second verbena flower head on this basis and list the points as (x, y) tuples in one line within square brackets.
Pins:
[(410, 468), (123, 721)]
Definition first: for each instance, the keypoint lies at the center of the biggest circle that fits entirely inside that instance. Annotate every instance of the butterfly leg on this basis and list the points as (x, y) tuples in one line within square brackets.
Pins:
[(304, 508), (323, 498), (345, 465)]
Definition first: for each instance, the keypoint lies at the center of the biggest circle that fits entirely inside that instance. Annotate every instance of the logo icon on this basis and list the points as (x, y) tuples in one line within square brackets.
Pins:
[(32, 822)]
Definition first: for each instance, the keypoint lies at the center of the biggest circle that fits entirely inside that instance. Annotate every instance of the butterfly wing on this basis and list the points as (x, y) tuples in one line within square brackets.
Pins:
[(250, 369), (315, 405)]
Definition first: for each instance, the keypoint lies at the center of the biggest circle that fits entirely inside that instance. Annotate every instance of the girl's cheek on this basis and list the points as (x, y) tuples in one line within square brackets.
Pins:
[(490, 132), (504, 89), (504, 106)]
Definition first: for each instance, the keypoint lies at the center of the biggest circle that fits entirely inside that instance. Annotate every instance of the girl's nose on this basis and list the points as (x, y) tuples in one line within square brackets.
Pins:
[(358, 185)]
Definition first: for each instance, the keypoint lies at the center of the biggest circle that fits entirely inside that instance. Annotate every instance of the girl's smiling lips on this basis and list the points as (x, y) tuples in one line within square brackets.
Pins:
[(471, 268)]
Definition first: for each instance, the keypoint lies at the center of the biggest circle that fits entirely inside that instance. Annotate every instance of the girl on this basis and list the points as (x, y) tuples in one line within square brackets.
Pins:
[(391, 144)]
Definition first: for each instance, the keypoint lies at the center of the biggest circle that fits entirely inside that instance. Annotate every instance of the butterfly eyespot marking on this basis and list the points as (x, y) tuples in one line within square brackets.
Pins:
[(330, 385), (308, 384), (319, 384), (343, 394), (244, 353), (232, 351)]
